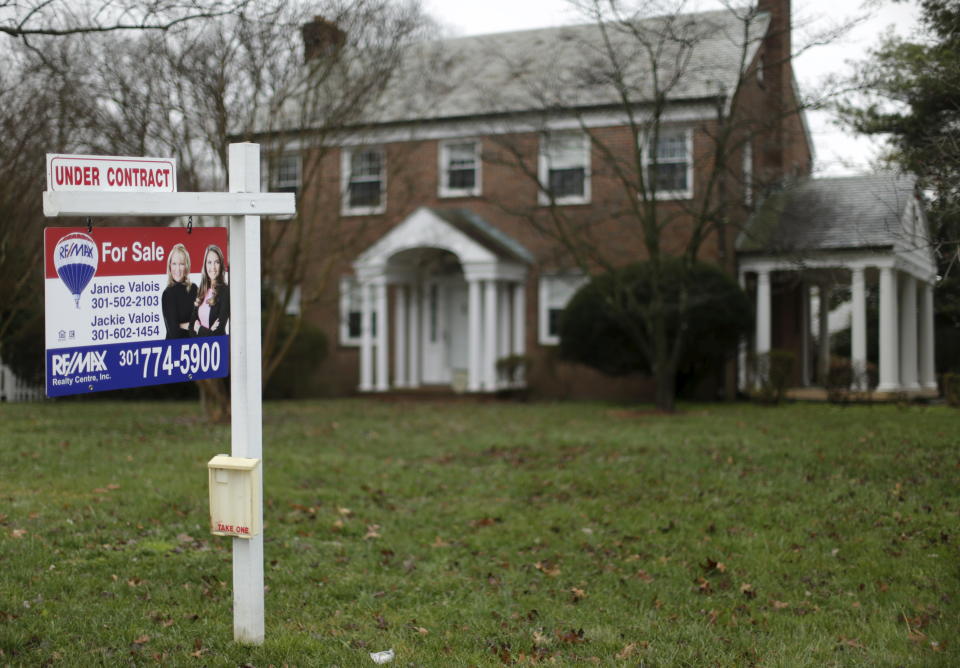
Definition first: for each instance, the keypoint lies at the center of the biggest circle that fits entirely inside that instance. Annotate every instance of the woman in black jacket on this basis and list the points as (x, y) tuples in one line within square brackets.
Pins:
[(211, 313), (180, 294)]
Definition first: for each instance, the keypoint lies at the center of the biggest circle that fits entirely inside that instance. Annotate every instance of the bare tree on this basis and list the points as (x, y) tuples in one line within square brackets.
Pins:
[(25, 18), (641, 69), (297, 90)]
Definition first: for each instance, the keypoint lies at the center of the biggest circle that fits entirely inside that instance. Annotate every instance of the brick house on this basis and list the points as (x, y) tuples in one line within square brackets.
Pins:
[(455, 192)]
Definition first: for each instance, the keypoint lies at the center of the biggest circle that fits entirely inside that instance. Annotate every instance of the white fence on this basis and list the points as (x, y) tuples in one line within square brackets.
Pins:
[(14, 389)]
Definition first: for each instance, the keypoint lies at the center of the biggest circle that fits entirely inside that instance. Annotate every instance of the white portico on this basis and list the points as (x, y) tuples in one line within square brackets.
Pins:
[(442, 299), (863, 235)]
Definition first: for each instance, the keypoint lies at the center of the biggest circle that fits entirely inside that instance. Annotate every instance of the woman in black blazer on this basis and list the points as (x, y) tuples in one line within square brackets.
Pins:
[(178, 298), (211, 312)]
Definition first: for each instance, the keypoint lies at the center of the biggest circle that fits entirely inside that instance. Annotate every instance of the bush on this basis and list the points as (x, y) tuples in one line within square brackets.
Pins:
[(606, 324), (951, 388), (843, 375), (294, 377), (774, 370)]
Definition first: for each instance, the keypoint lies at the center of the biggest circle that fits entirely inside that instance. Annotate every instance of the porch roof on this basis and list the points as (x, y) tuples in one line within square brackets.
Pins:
[(847, 213)]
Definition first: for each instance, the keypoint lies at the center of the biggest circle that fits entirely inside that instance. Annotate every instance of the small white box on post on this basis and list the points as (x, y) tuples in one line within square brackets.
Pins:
[(235, 496)]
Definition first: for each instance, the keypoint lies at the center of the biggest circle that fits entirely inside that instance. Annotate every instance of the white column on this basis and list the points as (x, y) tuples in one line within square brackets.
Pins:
[(366, 339), (246, 393), (475, 322), (504, 338), (805, 338), (858, 328), (415, 342), (400, 336), (908, 333), (742, 350), (889, 330), (519, 326), (383, 382), (825, 294), (928, 373), (489, 362), (762, 341)]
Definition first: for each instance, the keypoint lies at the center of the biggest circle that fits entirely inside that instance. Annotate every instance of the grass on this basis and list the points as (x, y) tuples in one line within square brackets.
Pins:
[(476, 534)]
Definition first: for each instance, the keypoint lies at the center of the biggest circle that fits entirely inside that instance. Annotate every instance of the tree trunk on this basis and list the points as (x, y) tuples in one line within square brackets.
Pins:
[(215, 399), (665, 376)]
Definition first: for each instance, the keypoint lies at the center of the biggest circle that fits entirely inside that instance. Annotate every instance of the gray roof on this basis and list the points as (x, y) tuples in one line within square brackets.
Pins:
[(831, 214), (485, 234), (534, 69), (560, 67)]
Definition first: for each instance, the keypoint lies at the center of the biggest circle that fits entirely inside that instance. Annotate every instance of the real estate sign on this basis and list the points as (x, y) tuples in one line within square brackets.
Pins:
[(123, 307)]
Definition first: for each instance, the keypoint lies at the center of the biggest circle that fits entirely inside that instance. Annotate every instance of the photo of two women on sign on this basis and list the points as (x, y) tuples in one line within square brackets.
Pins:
[(189, 310)]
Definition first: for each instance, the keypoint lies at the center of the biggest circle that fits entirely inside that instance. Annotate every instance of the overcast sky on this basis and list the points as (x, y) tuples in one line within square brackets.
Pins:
[(837, 151)]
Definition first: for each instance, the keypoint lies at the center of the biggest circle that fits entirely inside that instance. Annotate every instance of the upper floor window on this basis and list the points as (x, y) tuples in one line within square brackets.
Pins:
[(564, 168), (364, 180), (280, 173), (670, 165), (555, 292), (287, 174), (459, 168), (748, 173)]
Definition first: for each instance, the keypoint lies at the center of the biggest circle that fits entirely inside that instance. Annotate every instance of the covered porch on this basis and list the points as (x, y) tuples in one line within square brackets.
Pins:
[(834, 258), (442, 303)]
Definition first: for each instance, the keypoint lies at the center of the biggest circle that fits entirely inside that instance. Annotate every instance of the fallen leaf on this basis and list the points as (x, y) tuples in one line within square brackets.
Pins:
[(440, 542), (18, 533), (112, 486), (572, 636), (545, 567), (850, 642), (643, 575), (539, 639), (780, 605), (142, 640), (577, 594), (422, 631), (626, 652), (747, 590), (133, 582), (373, 531)]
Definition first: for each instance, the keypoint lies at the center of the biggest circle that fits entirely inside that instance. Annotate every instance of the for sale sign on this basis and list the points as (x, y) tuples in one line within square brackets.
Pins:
[(133, 306), (108, 173)]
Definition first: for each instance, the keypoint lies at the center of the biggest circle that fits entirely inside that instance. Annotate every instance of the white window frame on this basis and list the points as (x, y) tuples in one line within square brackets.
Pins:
[(545, 162), (346, 159), (444, 169), (647, 163), (748, 173), (547, 301)]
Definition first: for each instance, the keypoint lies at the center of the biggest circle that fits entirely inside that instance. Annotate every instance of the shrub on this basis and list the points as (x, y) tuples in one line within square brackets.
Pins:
[(294, 377), (951, 388), (607, 323), (774, 369)]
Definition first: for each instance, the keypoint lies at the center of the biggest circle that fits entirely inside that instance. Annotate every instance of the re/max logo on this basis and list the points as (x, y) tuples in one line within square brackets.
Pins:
[(79, 250), (77, 362)]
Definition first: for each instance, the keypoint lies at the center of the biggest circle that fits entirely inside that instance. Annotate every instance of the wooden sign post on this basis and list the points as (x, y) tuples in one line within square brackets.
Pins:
[(244, 204)]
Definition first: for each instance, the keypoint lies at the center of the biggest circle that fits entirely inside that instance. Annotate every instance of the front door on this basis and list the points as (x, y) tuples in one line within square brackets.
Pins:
[(436, 369), (444, 331)]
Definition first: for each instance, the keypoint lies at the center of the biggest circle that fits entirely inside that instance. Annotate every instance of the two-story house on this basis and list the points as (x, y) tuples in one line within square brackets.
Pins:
[(460, 214)]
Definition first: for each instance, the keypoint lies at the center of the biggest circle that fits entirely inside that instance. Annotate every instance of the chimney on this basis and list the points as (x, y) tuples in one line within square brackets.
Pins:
[(321, 39), (777, 45), (779, 147)]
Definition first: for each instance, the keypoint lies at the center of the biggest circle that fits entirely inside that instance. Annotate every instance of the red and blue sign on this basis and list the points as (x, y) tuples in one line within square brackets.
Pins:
[(122, 308)]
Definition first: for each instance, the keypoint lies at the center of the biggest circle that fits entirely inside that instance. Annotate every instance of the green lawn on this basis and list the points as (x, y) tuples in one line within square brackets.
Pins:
[(470, 534)]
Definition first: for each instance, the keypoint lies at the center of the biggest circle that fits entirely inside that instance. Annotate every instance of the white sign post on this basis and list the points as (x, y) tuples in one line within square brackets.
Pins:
[(244, 204)]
